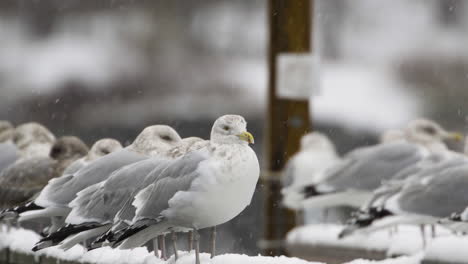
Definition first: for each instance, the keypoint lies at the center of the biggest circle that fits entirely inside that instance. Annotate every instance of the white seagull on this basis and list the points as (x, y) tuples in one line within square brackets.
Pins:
[(200, 189), (317, 154)]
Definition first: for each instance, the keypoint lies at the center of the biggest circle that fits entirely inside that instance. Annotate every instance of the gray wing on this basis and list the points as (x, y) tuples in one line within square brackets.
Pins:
[(127, 211), (94, 172), (431, 166), (443, 195), (419, 168), (8, 154), (101, 202), (21, 180), (366, 170), (177, 176)]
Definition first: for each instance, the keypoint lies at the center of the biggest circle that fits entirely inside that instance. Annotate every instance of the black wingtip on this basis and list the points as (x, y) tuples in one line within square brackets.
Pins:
[(125, 233), (41, 245), (310, 191), (363, 219), (68, 230), (94, 246), (108, 236), (14, 212), (455, 217)]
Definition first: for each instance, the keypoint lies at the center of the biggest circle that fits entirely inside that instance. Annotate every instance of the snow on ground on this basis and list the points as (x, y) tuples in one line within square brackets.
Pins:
[(415, 259), (449, 248), (21, 240)]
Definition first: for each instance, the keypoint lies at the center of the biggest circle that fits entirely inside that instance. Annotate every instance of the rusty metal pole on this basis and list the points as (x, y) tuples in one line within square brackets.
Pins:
[(289, 29)]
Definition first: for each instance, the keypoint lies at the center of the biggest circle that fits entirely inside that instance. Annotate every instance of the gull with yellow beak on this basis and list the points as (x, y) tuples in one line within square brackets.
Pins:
[(203, 188), (352, 181)]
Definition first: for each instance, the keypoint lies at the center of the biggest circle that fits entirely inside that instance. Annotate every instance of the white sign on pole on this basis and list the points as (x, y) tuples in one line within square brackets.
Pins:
[(298, 75)]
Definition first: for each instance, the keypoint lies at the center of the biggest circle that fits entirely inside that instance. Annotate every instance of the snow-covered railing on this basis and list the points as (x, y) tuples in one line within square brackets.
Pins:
[(320, 243), (16, 244)]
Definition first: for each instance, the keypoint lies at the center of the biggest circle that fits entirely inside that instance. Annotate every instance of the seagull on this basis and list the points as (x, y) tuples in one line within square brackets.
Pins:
[(94, 208), (30, 210), (402, 200), (200, 189), (23, 179), (33, 139), (317, 154), (353, 180), (99, 149), (439, 195), (56, 197)]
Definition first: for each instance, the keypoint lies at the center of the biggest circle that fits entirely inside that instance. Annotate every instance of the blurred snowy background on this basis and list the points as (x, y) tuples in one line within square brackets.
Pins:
[(111, 67)]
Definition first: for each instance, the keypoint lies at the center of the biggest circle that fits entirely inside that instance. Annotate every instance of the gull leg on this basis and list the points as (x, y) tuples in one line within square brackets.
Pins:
[(196, 238), (162, 245), (174, 244), (213, 242), (433, 231), (8, 225), (423, 236), (155, 247), (190, 241), (325, 215)]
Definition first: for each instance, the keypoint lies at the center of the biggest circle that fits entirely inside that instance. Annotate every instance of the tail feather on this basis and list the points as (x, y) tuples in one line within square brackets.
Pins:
[(41, 245), (61, 234), (112, 234), (72, 240), (139, 233), (14, 212), (363, 219)]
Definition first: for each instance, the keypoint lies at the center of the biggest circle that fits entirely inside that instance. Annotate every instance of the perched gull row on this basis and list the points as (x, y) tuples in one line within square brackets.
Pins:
[(124, 197), (409, 178)]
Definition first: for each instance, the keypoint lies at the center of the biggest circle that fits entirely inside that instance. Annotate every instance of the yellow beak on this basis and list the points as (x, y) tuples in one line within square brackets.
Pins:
[(455, 136), (246, 136)]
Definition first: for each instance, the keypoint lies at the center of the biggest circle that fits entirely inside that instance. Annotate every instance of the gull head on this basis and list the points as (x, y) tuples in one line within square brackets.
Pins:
[(6, 130), (231, 129), (155, 140), (425, 131), (31, 133), (68, 147), (103, 147), (316, 141)]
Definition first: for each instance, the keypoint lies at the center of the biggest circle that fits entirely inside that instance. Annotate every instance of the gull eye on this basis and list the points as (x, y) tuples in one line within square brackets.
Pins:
[(429, 130), (105, 151), (166, 137), (55, 151), (226, 128)]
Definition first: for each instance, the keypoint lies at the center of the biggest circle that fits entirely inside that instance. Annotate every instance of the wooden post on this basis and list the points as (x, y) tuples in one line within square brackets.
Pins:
[(289, 29)]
